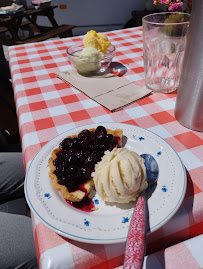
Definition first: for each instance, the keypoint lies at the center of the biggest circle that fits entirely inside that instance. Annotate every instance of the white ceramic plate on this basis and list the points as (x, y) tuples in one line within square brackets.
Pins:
[(108, 224)]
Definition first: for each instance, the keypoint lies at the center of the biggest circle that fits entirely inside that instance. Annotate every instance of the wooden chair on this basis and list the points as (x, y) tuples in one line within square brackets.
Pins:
[(136, 17)]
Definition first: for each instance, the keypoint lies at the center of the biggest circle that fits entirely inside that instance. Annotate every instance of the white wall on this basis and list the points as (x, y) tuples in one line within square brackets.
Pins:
[(100, 15)]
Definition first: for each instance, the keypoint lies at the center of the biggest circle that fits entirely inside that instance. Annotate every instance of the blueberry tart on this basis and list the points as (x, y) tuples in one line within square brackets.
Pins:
[(72, 163)]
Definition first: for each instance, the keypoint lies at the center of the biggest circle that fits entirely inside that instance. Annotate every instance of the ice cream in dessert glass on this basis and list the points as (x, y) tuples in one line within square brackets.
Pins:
[(93, 55)]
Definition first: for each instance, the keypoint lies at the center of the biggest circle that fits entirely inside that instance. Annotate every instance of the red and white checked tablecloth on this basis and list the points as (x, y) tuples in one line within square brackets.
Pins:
[(46, 107)]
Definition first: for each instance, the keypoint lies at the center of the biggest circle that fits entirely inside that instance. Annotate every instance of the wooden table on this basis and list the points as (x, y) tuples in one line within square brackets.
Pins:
[(26, 19)]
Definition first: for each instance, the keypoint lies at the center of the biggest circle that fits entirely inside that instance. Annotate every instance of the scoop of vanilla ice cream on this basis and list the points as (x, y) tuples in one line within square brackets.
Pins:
[(97, 40), (90, 53), (120, 176), (88, 60)]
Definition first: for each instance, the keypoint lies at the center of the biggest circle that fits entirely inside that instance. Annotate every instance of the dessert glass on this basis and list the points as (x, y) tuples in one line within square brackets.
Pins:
[(90, 66)]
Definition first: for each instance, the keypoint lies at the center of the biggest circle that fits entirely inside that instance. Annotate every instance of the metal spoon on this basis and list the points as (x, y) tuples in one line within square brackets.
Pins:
[(135, 245)]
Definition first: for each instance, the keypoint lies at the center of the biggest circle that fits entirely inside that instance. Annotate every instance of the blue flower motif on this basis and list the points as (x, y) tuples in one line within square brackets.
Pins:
[(164, 189), (47, 195), (159, 153), (86, 222), (125, 219), (96, 201), (138, 138)]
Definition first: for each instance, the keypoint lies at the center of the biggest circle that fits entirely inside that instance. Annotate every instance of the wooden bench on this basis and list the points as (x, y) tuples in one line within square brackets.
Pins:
[(61, 31)]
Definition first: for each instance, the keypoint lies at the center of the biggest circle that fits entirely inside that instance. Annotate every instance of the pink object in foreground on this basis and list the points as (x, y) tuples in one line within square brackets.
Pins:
[(135, 245)]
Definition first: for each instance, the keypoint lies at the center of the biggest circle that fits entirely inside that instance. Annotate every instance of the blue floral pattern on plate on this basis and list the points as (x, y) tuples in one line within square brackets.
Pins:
[(108, 224)]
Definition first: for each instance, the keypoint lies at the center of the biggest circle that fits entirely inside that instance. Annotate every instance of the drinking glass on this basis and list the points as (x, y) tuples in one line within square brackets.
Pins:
[(164, 41)]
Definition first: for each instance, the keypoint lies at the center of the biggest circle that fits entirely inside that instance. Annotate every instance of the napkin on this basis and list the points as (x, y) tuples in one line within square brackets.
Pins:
[(110, 91), (13, 7)]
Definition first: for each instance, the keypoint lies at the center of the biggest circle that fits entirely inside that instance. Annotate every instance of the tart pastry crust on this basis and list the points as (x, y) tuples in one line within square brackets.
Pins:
[(77, 195)]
